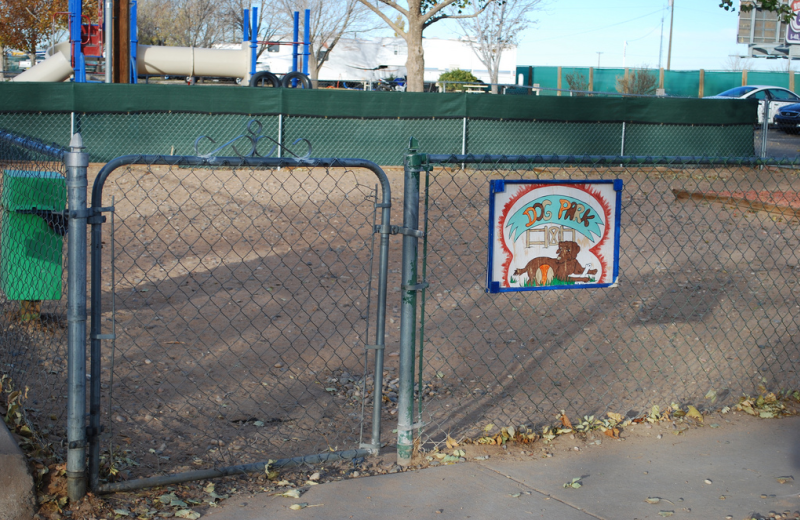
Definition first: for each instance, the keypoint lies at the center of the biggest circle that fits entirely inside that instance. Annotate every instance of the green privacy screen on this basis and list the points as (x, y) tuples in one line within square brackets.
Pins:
[(678, 83), (167, 119)]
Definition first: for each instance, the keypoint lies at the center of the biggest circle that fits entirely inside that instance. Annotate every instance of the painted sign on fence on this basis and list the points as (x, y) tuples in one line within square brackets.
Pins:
[(553, 234)]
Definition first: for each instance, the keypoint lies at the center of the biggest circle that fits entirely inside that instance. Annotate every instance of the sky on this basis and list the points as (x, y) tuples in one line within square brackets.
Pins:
[(571, 33)]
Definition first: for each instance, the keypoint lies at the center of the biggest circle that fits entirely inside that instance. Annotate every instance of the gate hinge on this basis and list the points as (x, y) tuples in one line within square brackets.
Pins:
[(375, 347), (95, 216), (424, 167), (74, 445), (415, 287), (104, 336), (94, 432)]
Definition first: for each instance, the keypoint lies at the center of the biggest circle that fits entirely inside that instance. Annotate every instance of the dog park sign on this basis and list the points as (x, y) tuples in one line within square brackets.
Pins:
[(546, 235)]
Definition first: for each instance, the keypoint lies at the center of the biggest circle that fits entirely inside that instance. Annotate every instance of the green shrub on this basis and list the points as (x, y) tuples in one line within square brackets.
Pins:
[(457, 75)]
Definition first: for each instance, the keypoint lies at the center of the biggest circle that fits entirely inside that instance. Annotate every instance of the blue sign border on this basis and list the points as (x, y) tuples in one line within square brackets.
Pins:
[(499, 186)]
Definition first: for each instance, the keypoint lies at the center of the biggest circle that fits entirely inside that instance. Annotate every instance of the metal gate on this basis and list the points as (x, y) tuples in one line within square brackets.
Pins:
[(237, 318)]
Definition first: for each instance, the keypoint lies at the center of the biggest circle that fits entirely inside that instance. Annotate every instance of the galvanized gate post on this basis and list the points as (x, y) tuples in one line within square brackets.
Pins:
[(76, 161), (408, 307), (764, 130)]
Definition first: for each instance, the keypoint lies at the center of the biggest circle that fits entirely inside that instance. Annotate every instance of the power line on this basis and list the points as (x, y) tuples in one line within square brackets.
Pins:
[(604, 27)]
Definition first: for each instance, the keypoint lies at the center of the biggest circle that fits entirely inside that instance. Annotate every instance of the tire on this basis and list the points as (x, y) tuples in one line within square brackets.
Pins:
[(265, 78), (302, 80)]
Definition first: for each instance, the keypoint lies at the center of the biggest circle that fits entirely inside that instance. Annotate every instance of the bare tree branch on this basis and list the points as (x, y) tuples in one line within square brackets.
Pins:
[(497, 29)]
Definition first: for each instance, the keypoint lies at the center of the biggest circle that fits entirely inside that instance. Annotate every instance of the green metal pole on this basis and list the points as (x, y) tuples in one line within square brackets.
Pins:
[(408, 307)]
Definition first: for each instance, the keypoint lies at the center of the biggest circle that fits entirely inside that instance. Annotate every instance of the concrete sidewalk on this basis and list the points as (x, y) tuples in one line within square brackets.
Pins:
[(17, 494), (714, 473)]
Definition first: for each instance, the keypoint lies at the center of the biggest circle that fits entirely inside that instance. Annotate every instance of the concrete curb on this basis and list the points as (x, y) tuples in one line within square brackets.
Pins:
[(17, 493)]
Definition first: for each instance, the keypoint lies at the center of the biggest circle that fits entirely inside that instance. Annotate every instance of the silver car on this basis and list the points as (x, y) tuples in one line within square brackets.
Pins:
[(777, 96)]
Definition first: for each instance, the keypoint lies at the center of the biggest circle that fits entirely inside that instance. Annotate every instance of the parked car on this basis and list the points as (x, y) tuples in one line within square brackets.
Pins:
[(788, 118), (778, 97)]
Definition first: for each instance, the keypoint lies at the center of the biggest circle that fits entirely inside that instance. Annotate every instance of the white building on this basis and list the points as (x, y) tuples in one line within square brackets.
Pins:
[(365, 60)]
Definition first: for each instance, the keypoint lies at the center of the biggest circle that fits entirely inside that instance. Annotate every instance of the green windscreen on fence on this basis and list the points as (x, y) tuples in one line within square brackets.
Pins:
[(718, 82), (677, 83), (117, 120), (95, 98)]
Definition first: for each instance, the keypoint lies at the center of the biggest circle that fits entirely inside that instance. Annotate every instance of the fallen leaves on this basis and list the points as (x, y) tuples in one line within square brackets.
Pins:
[(694, 413), (766, 406), (785, 480), (574, 484), (522, 435), (292, 493), (171, 500), (303, 505)]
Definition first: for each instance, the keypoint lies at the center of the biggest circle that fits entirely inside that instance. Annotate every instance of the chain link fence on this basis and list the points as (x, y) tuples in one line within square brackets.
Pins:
[(33, 328), (240, 301), (236, 313), (382, 140), (707, 306)]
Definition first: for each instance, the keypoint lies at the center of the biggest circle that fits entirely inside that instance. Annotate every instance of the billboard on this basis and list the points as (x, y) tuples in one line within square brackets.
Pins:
[(793, 28)]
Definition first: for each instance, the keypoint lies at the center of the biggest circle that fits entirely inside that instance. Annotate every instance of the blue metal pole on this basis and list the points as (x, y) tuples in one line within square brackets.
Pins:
[(253, 41), (306, 39), (246, 25), (134, 43), (295, 36), (78, 63)]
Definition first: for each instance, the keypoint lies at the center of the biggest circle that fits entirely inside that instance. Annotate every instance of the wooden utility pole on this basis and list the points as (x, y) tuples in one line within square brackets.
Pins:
[(671, 18), (121, 46), (702, 90), (558, 82)]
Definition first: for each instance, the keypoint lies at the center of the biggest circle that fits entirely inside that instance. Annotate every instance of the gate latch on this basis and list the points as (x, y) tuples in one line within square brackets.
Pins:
[(397, 230)]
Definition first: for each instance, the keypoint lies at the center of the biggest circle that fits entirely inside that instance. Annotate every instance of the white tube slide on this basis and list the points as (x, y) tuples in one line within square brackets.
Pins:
[(157, 60), (190, 61), (55, 68)]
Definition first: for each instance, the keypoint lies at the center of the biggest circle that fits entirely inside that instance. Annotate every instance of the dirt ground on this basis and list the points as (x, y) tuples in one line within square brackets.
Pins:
[(243, 306)]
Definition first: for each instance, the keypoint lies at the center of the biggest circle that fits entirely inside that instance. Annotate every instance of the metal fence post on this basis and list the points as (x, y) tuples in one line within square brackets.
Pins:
[(622, 147), (765, 129), (76, 161), (408, 308)]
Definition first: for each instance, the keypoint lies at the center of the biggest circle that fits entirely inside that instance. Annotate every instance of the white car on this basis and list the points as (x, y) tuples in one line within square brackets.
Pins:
[(777, 96)]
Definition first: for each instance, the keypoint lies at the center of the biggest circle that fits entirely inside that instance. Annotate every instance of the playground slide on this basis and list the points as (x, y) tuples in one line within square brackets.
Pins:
[(56, 67), (172, 61)]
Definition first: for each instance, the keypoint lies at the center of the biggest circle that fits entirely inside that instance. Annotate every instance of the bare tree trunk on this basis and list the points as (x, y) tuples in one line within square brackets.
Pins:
[(493, 75), (313, 67), (415, 63), (2, 63)]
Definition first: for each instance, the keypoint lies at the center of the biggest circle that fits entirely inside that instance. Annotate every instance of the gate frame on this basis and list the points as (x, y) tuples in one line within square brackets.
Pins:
[(96, 337)]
